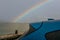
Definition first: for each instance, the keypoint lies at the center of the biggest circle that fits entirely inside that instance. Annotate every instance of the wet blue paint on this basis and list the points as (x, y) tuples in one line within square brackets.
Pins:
[(36, 25), (48, 26)]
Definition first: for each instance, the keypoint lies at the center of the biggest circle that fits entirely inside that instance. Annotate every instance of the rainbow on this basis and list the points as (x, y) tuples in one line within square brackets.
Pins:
[(30, 9)]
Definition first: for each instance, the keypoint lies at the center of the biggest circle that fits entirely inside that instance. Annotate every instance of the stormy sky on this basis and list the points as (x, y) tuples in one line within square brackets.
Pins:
[(10, 9)]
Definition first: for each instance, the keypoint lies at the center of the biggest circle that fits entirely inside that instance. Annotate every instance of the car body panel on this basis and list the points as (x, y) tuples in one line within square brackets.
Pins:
[(39, 34)]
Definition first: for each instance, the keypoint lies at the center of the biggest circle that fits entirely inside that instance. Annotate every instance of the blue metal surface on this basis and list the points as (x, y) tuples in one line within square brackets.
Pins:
[(36, 25), (47, 26)]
